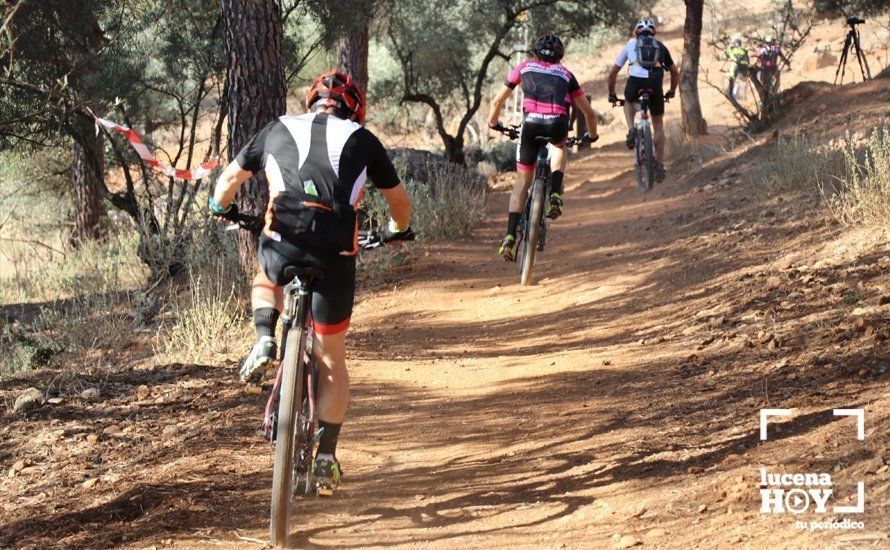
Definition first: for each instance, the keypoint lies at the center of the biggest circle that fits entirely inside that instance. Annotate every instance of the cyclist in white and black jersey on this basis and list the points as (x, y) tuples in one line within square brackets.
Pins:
[(646, 76), (316, 166)]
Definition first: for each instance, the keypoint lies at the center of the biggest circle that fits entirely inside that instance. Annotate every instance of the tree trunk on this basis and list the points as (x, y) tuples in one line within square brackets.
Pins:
[(690, 106), (454, 149), (352, 55), (87, 173), (256, 94)]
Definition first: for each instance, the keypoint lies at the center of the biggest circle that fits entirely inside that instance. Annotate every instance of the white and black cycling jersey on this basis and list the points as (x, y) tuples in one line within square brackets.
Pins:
[(629, 55), (316, 165)]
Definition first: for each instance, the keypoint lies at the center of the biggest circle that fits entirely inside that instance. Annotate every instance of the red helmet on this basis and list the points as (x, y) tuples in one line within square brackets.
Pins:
[(339, 91)]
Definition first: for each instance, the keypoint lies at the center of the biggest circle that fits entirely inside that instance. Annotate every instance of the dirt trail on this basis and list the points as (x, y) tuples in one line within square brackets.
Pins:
[(614, 403)]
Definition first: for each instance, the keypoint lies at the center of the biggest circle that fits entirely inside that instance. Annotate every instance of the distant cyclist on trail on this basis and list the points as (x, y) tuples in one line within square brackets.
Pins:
[(549, 89), (770, 72), (316, 165), (648, 59), (739, 64)]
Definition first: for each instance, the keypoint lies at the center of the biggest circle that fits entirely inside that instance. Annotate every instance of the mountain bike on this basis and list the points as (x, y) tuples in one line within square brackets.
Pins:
[(290, 420), (532, 230), (644, 147)]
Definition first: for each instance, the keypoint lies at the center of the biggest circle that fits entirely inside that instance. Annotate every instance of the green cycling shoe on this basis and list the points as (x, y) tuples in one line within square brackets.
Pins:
[(554, 208), (508, 248), (327, 476)]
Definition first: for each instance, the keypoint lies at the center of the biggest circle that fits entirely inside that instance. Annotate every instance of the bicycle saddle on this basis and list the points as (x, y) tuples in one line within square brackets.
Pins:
[(292, 272)]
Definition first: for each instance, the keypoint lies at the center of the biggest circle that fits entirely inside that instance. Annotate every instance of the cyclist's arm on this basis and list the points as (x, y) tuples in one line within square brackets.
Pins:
[(399, 205), (675, 77), (582, 103), (497, 103), (228, 183), (613, 78), (383, 176), (247, 163)]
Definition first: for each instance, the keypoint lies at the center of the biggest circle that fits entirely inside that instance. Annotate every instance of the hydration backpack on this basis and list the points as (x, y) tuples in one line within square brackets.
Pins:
[(648, 52), (769, 57)]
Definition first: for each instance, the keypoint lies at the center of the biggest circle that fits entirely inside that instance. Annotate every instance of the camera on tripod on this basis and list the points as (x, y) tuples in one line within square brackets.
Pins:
[(852, 43)]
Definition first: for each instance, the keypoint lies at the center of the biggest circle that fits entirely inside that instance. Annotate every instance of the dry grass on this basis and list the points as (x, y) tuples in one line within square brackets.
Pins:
[(863, 196), (205, 321), (853, 177)]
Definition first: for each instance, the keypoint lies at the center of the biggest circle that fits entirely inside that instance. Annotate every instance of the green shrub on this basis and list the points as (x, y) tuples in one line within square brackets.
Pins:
[(446, 205), (501, 155), (22, 351)]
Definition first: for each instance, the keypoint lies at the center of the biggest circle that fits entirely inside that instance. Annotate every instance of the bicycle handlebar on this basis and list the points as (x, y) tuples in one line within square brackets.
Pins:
[(512, 132), (366, 239)]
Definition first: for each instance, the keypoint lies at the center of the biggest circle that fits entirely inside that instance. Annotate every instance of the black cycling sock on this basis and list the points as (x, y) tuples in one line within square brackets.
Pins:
[(327, 445), (513, 222), (264, 320), (556, 182)]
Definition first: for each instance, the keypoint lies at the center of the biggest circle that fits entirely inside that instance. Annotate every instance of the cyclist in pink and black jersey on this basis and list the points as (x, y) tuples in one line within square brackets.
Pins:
[(549, 89)]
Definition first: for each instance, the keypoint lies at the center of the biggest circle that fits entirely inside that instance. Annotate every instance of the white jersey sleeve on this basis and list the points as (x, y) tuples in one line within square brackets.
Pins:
[(625, 54)]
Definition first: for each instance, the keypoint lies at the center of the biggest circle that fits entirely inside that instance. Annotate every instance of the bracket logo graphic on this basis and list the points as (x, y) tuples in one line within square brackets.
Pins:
[(796, 493)]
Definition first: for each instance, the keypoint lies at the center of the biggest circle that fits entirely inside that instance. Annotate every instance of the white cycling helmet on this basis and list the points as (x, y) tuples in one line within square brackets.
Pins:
[(644, 25)]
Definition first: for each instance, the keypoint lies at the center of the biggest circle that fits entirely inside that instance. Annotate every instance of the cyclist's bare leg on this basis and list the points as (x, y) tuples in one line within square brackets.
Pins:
[(264, 293), (558, 158), (630, 111), (333, 379), (520, 190), (266, 299), (658, 138), (558, 161), (333, 396)]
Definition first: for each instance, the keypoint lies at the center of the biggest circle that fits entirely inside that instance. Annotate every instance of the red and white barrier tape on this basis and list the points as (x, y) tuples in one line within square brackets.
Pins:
[(137, 143)]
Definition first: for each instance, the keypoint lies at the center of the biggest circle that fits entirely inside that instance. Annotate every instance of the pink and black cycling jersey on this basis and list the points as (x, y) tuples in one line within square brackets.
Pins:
[(548, 87)]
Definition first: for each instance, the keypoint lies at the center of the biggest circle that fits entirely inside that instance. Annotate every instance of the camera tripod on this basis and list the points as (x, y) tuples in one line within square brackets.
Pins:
[(852, 40)]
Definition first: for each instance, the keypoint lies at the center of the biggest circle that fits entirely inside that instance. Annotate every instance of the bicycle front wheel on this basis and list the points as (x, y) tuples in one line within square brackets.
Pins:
[(291, 398), (533, 233), (645, 160)]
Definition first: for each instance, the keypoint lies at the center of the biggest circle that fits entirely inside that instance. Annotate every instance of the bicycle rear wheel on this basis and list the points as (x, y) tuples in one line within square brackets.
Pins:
[(286, 446), (533, 228)]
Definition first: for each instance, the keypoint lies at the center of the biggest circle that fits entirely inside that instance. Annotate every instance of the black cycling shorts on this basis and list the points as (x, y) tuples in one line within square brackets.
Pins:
[(636, 84), (332, 298), (556, 128)]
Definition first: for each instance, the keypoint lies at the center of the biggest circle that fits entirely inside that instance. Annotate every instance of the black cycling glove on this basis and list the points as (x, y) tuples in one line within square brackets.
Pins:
[(613, 98), (669, 95)]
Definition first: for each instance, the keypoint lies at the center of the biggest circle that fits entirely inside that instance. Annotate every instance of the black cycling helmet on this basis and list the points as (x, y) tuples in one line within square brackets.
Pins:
[(548, 47)]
